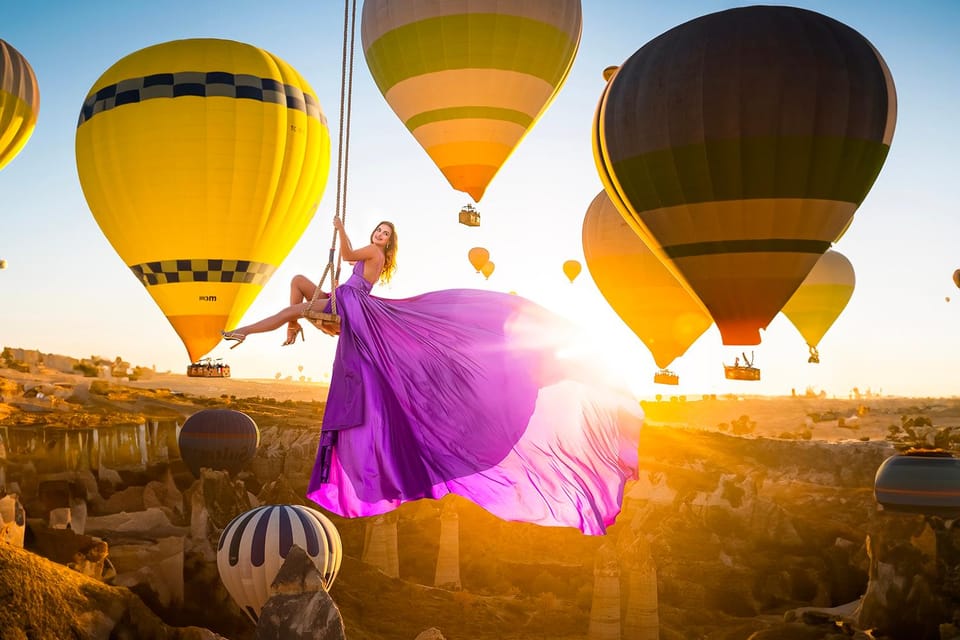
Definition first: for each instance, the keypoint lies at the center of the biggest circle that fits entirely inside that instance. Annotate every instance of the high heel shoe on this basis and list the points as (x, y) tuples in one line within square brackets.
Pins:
[(233, 336), (293, 330)]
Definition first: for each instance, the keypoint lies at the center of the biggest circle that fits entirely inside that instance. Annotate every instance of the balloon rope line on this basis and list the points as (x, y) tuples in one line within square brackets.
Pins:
[(349, 24)]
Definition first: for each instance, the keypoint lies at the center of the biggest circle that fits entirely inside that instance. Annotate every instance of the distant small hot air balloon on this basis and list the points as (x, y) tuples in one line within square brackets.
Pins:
[(571, 268), (739, 145), (609, 71), (221, 439), (478, 257), (3, 264), (254, 545), (19, 102), (487, 269), (821, 298), (470, 79), (202, 161), (956, 278)]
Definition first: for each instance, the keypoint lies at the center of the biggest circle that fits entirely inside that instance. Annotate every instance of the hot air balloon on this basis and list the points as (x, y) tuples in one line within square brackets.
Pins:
[(821, 297), (487, 269), (571, 269), (253, 546), (739, 145), (221, 439), (470, 79), (643, 292), (3, 264), (19, 102), (956, 278), (478, 257), (923, 481), (202, 161)]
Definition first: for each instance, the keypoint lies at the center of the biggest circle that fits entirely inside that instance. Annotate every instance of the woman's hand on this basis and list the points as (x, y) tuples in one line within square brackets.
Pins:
[(337, 223)]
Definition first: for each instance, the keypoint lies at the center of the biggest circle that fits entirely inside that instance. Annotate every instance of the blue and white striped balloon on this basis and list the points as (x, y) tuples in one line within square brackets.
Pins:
[(253, 546)]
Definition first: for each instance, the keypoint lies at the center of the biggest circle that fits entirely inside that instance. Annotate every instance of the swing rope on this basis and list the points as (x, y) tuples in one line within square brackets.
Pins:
[(330, 322)]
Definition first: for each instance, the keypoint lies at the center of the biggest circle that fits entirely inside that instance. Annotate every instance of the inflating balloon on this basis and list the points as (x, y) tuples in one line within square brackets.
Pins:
[(19, 102), (820, 298), (478, 257), (253, 546), (203, 162), (487, 269), (571, 269), (739, 145), (219, 439), (470, 79), (643, 292)]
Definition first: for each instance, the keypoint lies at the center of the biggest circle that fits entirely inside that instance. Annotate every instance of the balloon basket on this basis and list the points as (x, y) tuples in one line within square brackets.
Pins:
[(469, 216), (737, 372), (208, 368), (664, 376)]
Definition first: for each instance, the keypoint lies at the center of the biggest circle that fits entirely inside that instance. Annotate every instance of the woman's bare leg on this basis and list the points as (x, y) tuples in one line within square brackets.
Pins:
[(277, 320)]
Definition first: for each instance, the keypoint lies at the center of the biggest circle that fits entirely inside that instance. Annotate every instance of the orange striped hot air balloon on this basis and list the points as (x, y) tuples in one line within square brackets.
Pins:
[(469, 79), (19, 102), (739, 145)]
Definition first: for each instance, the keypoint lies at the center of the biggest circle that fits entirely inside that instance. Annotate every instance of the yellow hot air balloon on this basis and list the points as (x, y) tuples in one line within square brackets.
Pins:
[(956, 278), (820, 299), (571, 269), (487, 270), (202, 161), (19, 102), (478, 257), (739, 145), (469, 79), (643, 292)]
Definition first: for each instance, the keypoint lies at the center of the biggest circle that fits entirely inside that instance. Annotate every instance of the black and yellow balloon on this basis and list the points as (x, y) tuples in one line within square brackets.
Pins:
[(19, 102), (739, 145), (203, 161)]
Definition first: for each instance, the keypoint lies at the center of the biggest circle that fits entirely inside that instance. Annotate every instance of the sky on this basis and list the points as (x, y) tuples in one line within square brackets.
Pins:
[(66, 291)]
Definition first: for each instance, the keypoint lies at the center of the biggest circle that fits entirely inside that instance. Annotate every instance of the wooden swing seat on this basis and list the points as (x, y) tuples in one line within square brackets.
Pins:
[(329, 323)]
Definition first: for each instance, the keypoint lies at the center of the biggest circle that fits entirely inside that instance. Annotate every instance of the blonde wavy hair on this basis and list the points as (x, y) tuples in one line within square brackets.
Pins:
[(389, 252)]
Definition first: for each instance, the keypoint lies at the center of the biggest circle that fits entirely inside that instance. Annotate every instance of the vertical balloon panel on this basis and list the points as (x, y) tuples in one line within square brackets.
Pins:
[(203, 161), (19, 102), (470, 78), (739, 145)]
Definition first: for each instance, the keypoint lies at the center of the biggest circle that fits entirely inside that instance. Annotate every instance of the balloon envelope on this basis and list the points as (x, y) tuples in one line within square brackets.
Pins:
[(487, 269), (821, 297), (253, 546), (956, 278), (19, 102), (478, 257), (469, 79), (739, 145), (202, 161), (220, 439), (571, 269), (643, 292)]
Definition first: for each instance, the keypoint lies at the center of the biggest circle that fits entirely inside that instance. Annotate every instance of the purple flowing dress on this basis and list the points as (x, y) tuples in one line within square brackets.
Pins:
[(467, 391)]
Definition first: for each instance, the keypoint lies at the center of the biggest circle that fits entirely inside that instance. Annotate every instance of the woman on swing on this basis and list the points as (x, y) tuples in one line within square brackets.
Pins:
[(375, 262), (462, 391)]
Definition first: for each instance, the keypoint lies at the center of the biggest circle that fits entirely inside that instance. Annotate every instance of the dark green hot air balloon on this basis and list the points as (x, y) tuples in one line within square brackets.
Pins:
[(739, 145)]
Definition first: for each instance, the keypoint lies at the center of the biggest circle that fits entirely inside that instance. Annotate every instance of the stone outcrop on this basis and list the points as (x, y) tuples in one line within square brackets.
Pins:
[(299, 608), (43, 599)]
